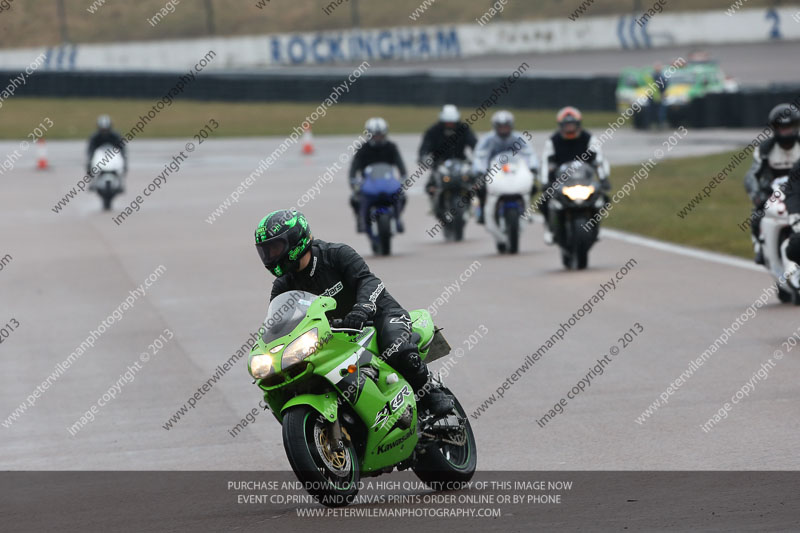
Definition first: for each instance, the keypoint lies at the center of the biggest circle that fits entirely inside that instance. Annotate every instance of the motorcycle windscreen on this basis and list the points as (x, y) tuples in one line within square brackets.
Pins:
[(380, 181), (380, 187), (107, 158), (285, 312), (582, 174)]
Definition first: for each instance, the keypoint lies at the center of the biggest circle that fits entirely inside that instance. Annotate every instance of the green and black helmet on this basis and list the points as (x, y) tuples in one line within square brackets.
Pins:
[(282, 237)]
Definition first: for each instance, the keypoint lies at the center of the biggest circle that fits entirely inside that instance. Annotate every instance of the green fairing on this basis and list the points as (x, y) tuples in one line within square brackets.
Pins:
[(386, 444)]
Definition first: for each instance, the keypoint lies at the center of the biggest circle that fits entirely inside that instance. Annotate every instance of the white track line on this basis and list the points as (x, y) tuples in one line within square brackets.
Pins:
[(687, 251)]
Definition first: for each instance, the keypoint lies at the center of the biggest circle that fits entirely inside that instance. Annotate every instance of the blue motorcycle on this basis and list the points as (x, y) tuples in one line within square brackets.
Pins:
[(381, 200)]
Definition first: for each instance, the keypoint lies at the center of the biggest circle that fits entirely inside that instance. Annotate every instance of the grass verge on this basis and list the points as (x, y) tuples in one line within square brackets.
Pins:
[(74, 118), (652, 209)]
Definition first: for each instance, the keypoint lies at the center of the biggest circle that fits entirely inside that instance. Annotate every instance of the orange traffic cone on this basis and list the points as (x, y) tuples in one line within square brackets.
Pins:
[(41, 162), (308, 142)]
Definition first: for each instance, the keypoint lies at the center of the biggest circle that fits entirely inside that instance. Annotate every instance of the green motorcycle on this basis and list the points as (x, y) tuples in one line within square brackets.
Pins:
[(345, 412)]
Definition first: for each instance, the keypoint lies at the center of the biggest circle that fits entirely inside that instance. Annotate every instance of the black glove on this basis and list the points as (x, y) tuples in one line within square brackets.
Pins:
[(760, 198), (358, 316)]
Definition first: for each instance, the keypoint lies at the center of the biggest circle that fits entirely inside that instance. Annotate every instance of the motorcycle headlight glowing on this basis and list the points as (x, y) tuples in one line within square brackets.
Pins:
[(578, 193), (300, 348), (261, 366), (677, 99)]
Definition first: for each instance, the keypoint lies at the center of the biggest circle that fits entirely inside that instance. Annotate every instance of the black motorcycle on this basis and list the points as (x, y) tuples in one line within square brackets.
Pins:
[(577, 199), (451, 198)]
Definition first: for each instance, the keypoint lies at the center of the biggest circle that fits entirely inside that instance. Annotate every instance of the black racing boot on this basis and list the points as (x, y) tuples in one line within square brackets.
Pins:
[(481, 218), (435, 400), (758, 249), (429, 396), (481, 192)]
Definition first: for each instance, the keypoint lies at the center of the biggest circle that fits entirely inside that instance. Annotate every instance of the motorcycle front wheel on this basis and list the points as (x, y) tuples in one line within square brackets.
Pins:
[(384, 234), (331, 476), (512, 229), (454, 229), (788, 297), (575, 254), (107, 195)]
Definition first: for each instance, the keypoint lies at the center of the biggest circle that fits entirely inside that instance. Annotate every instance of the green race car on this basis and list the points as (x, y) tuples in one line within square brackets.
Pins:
[(700, 76)]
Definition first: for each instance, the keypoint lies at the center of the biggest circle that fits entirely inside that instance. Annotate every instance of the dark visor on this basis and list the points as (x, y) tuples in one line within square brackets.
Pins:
[(272, 250)]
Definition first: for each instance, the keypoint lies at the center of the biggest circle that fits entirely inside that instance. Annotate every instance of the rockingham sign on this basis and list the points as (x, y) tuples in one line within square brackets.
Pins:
[(395, 43)]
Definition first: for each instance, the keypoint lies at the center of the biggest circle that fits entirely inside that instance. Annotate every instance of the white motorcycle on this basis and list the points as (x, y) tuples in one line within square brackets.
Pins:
[(508, 195), (109, 177), (775, 233)]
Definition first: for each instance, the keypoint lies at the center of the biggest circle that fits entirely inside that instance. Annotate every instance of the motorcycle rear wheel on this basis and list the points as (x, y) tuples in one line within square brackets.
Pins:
[(446, 466)]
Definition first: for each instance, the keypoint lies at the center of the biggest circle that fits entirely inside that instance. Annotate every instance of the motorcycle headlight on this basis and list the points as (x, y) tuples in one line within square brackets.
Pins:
[(676, 99), (261, 366), (300, 348), (578, 193)]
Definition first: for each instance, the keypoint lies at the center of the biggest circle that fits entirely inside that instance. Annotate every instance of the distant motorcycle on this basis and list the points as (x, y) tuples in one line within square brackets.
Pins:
[(508, 194), (577, 198), (109, 178), (775, 233), (451, 201), (378, 194)]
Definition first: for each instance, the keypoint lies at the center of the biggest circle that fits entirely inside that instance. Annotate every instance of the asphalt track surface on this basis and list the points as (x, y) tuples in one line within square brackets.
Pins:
[(750, 64), (70, 270)]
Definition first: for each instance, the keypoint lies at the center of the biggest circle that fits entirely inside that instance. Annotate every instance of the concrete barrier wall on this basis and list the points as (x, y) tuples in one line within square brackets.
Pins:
[(589, 93), (643, 30), (747, 108)]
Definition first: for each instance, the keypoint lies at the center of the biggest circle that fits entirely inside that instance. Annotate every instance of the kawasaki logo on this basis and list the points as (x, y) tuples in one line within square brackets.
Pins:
[(386, 447)]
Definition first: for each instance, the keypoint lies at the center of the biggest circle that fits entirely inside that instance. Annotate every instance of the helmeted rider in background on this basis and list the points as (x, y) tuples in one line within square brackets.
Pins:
[(105, 135), (570, 143), (773, 158), (301, 262), (378, 149), (447, 139), (792, 191), (502, 138)]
